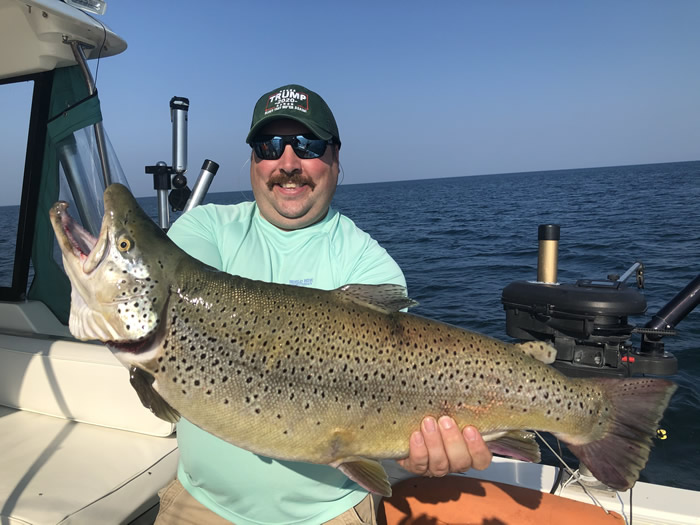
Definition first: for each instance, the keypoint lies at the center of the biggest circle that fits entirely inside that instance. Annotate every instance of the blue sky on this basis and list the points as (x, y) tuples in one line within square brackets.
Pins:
[(419, 89)]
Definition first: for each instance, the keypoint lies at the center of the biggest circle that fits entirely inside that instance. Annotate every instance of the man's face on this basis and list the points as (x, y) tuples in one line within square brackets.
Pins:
[(290, 192)]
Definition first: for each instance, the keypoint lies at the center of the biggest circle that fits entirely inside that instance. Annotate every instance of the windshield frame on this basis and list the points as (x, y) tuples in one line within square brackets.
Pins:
[(34, 158)]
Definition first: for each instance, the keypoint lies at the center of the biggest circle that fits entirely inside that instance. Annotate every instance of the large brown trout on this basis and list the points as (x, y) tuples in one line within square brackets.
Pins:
[(337, 377)]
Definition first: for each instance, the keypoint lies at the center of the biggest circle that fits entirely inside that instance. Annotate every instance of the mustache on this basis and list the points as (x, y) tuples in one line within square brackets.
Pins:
[(298, 179)]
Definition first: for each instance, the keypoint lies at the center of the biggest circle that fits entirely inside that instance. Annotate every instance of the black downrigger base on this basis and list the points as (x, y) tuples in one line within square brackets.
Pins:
[(588, 321)]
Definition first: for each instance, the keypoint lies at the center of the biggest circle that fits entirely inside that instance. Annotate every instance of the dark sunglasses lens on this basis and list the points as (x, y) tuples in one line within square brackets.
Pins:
[(269, 149), (307, 148)]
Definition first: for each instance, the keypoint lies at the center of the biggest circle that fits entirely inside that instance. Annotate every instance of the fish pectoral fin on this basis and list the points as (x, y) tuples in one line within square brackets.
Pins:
[(539, 350), (385, 298), (367, 473), (142, 382), (517, 444)]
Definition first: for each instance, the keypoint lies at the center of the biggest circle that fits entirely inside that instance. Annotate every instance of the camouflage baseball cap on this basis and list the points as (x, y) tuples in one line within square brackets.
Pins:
[(297, 103)]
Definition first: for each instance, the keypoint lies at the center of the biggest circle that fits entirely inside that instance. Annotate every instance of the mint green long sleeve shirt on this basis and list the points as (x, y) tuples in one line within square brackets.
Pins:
[(240, 486)]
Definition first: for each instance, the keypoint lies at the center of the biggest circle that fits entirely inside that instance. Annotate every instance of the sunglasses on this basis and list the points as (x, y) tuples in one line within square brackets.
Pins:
[(271, 147)]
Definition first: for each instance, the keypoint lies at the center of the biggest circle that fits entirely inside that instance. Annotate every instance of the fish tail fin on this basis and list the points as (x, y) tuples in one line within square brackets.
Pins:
[(637, 406)]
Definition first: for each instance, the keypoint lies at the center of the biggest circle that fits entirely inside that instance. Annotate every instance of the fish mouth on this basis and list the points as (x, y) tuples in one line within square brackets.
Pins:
[(132, 347), (75, 240)]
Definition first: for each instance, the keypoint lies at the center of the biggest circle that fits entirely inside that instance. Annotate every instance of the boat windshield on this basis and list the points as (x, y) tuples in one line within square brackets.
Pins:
[(59, 150), (81, 179), (15, 107)]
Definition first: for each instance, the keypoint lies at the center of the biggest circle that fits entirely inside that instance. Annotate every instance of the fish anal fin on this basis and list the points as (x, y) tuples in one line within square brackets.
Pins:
[(385, 298), (518, 444), (367, 473), (539, 350), (142, 382), (617, 458)]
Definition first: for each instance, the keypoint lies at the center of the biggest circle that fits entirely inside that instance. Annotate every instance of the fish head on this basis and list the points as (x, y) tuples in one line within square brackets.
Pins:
[(118, 290)]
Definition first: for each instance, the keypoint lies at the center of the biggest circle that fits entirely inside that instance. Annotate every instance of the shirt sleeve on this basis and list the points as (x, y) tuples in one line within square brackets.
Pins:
[(194, 233), (375, 266)]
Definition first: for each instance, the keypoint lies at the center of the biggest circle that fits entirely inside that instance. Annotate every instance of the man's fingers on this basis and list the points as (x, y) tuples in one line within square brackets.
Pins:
[(480, 454), (417, 460), (440, 448), (438, 463), (454, 445)]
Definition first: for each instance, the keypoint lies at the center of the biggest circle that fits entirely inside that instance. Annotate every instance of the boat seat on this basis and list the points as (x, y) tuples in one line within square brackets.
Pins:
[(60, 471), (76, 444), (458, 499)]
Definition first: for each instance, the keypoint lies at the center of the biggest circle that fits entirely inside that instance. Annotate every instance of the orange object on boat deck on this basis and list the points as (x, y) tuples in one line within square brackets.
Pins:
[(461, 500)]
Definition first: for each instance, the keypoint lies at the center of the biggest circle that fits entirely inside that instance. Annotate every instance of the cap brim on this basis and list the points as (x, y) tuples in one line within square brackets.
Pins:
[(316, 130)]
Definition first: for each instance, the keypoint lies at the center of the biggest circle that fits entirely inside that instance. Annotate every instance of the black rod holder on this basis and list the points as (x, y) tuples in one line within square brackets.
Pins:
[(676, 309)]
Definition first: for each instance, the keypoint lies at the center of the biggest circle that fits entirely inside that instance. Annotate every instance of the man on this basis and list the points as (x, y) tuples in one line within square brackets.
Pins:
[(291, 235)]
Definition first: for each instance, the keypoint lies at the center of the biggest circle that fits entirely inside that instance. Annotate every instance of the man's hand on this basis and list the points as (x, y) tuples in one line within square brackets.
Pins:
[(439, 448)]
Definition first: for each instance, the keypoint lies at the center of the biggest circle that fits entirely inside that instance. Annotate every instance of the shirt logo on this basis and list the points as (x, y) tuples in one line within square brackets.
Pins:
[(301, 282), (287, 99)]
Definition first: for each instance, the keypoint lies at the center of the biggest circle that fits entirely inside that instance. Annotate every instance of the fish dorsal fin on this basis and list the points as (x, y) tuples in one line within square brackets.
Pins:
[(142, 382), (539, 350), (367, 473), (385, 298)]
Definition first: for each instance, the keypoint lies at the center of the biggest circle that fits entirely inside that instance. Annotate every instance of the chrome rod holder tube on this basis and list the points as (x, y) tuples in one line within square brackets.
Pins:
[(77, 48), (179, 107), (206, 175)]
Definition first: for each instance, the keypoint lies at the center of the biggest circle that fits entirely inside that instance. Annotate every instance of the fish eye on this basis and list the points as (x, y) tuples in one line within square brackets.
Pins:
[(124, 244)]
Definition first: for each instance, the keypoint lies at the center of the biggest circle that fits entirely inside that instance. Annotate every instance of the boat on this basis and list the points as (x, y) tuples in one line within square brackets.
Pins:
[(77, 445)]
